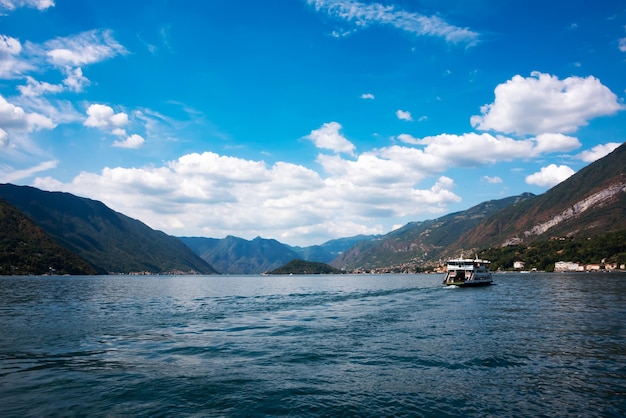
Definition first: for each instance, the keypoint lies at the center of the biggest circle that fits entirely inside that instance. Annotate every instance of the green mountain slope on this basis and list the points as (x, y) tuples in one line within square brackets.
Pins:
[(109, 241), (420, 242), (26, 249)]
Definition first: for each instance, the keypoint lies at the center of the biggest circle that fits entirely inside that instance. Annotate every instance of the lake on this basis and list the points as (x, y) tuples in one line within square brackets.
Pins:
[(349, 345)]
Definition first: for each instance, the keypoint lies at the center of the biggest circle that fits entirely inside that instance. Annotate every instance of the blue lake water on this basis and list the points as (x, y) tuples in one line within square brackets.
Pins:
[(376, 345)]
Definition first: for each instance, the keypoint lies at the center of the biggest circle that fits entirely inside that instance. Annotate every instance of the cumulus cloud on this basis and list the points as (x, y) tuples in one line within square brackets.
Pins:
[(103, 117), (548, 143), (366, 14), (369, 96), (462, 148), (404, 115), (542, 103), (550, 176), (15, 4), (82, 49), (133, 141), (329, 137), (597, 152)]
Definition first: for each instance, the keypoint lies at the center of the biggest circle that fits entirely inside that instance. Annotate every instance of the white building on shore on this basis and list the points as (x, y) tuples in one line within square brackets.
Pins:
[(561, 266)]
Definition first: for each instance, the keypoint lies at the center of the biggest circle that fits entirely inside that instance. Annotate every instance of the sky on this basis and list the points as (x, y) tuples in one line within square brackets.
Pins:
[(306, 120)]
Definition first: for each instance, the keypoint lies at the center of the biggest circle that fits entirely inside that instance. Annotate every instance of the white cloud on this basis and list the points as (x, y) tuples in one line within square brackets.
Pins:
[(622, 44), (547, 143), (329, 137), (542, 103), (404, 115), (363, 15), (11, 65), (409, 139), (103, 117), (38, 88), (133, 141), (371, 169), (10, 175), (15, 4), (369, 96), (58, 111), (550, 176), (119, 132), (462, 149), (492, 180), (598, 152), (16, 127), (14, 117), (82, 49), (75, 81)]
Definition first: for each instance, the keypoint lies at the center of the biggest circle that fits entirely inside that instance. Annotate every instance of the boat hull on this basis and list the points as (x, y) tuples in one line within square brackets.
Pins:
[(469, 284)]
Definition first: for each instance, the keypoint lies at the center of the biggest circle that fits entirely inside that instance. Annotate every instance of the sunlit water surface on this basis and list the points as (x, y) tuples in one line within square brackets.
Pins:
[(390, 345)]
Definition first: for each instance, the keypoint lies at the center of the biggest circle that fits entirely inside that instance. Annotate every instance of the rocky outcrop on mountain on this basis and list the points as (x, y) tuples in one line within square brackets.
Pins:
[(593, 202)]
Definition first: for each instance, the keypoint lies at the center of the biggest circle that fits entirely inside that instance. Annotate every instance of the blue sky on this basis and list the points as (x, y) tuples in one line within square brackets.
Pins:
[(306, 120)]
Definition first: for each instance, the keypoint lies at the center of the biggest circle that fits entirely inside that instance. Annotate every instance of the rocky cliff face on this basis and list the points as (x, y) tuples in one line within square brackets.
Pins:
[(592, 202)]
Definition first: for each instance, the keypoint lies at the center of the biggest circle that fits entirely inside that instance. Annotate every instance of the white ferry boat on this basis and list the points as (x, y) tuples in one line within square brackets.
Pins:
[(465, 272)]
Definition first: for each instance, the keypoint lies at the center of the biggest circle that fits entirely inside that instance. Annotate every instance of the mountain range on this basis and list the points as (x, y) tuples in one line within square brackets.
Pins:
[(233, 255), (420, 242), (590, 203)]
